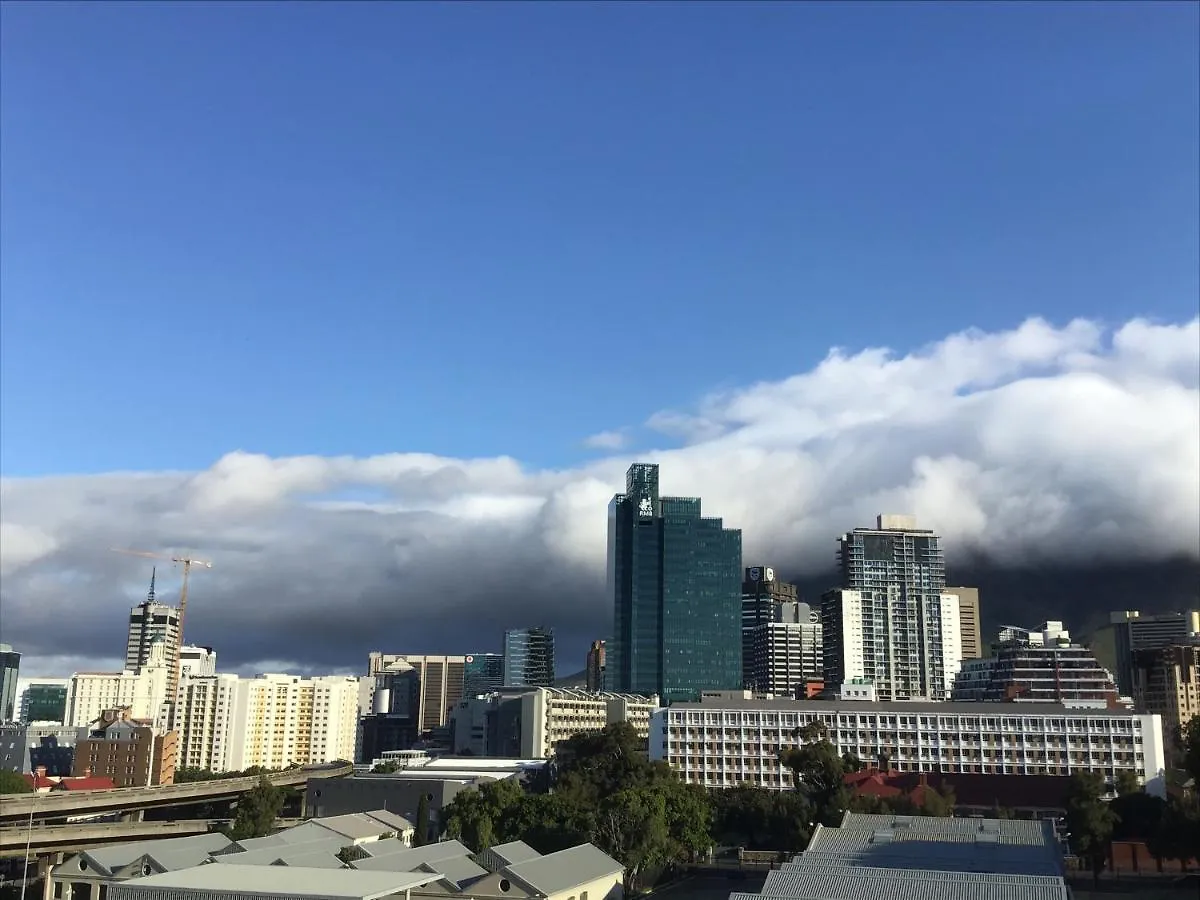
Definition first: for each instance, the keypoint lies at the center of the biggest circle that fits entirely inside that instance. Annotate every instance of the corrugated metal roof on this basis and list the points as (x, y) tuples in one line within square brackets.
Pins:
[(195, 848), (357, 826), (275, 881), (418, 855), (561, 871), (515, 852), (1012, 831), (853, 883), (265, 856), (458, 869)]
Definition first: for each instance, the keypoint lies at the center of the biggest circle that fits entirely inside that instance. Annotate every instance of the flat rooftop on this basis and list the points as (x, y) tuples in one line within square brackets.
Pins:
[(909, 707)]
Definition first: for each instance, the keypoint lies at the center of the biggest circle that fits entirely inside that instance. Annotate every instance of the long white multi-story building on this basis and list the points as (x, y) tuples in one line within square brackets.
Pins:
[(732, 742), (226, 723)]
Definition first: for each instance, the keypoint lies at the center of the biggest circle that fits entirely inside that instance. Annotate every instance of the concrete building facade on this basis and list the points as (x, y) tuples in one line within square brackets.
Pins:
[(786, 653), (443, 679), (144, 690), (195, 660), (1166, 681), (762, 592), (1128, 632), (596, 658), (152, 622), (734, 742)]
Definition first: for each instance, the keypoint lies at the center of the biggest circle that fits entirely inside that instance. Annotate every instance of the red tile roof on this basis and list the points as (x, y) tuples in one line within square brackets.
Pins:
[(90, 783)]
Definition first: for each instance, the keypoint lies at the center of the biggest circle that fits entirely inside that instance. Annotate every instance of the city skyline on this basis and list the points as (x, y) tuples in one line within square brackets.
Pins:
[(462, 309)]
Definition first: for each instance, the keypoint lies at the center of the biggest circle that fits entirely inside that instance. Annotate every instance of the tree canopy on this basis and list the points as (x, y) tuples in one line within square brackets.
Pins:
[(13, 783), (1090, 820), (256, 811)]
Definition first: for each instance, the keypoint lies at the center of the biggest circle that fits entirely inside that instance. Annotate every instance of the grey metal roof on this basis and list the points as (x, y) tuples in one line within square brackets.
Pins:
[(326, 847), (358, 826), (190, 851), (458, 869), (905, 707), (297, 834), (274, 881), (417, 855), (561, 871), (393, 821), (1011, 831), (853, 883), (515, 852), (960, 852)]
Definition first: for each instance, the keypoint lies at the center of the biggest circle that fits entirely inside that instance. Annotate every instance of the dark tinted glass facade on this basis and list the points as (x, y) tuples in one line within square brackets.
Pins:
[(675, 580), (10, 669), (529, 657), (45, 703), (483, 673)]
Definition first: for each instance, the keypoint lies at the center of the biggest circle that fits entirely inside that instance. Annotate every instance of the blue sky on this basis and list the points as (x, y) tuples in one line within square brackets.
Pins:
[(480, 229)]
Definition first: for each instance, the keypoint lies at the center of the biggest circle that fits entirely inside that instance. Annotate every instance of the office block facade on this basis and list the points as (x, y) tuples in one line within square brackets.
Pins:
[(443, 679), (1129, 632), (1166, 681), (529, 657), (969, 626), (534, 724), (197, 661), (786, 654), (892, 623), (44, 700), (674, 576), (762, 592), (149, 623), (10, 672), (596, 659), (482, 673), (732, 742)]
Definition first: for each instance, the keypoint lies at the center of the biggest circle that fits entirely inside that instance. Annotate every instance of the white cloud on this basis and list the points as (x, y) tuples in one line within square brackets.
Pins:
[(607, 440), (1073, 443)]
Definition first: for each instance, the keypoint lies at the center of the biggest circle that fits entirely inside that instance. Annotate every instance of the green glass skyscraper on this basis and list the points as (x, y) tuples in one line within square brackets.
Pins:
[(675, 581)]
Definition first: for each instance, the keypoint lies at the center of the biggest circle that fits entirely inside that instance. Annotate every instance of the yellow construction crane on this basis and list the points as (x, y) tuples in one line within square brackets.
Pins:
[(187, 562)]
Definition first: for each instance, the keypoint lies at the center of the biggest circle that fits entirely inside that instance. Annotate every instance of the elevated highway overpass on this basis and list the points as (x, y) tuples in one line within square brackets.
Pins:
[(20, 808), (84, 835)]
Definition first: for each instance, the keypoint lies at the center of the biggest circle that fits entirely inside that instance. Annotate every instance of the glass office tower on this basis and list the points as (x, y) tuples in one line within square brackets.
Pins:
[(529, 657), (483, 673), (675, 581)]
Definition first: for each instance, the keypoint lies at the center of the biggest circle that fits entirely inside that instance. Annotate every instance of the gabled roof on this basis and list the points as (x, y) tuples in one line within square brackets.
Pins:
[(190, 851), (496, 858), (417, 855), (561, 871), (457, 869), (363, 826), (279, 881), (323, 849)]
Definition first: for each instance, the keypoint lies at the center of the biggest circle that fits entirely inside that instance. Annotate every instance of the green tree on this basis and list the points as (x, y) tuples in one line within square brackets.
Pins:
[(936, 802), (256, 811), (631, 826), (473, 815), (689, 814), (13, 783), (1127, 783), (1178, 833), (421, 826), (1090, 820), (1139, 815), (817, 770), (386, 768), (1189, 741)]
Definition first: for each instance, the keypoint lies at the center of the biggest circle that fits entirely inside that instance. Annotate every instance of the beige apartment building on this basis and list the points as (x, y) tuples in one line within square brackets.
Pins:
[(227, 723), (968, 620), (143, 690)]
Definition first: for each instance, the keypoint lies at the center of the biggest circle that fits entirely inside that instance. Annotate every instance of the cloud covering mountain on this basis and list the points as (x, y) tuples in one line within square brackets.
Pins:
[(1033, 449)]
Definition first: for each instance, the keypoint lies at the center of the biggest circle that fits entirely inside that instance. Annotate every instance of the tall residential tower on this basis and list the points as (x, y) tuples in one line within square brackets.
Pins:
[(150, 622), (675, 581), (892, 622)]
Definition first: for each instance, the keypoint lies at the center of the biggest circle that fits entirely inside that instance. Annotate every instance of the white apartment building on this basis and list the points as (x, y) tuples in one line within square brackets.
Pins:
[(143, 690), (535, 721), (739, 741), (908, 646), (195, 660), (226, 723)]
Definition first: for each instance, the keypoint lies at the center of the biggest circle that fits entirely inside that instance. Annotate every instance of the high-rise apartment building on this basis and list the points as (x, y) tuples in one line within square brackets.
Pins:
[(594, 677), (482, 673), (149, 622), (674, 576), (1129, 631), (1040, 666), (228, 723), (786, 653), (10, 671), (968, 621), (1166, 681), (892, 624), (529, 657), (197, 660), (143, 690), (762, 592), (443, 679)]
